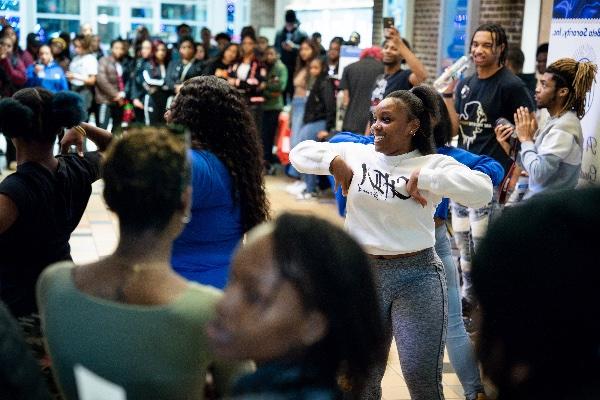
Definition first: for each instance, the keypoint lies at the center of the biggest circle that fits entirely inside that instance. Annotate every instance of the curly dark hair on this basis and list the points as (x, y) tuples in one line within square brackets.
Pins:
[(220, 122)]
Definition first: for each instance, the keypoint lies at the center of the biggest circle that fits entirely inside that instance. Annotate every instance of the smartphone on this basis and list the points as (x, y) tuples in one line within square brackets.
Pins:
[(388, 22)]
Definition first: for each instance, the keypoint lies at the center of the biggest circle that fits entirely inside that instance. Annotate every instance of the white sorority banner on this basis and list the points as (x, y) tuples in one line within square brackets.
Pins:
[(575, 33)]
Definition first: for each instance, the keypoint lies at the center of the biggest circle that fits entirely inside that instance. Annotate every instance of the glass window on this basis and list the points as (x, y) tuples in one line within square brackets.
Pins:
[(141, 13), (178, 11), (58, 7), (9, 5), (48, 26), (111, 11), (108, 32)]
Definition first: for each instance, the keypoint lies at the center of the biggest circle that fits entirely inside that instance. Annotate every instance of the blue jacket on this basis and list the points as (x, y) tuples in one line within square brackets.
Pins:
[(52, 79), (484, 164)]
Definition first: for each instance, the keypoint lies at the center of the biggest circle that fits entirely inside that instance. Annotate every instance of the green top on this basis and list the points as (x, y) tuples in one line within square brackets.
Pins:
[(276, 82), (153, 352)]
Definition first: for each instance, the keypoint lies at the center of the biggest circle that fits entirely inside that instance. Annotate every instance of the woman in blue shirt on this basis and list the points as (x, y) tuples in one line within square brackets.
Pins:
[(46, 73), (228, 188)]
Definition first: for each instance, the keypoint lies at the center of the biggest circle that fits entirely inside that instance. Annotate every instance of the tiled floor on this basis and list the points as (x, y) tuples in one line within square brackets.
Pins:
[(96, 236)]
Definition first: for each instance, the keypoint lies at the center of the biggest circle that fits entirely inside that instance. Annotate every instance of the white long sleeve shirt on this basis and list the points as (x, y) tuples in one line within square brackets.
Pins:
[(380, 214)]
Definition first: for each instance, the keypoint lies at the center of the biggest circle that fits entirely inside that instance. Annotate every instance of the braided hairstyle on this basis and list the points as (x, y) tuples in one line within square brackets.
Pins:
[(220, 122), (35, 114), (578, 77), (498, 36), (420, 103)]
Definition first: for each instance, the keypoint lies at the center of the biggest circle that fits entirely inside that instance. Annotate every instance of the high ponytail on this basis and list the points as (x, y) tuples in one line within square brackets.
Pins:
[(421, 104), (578, 77), (38, 115)]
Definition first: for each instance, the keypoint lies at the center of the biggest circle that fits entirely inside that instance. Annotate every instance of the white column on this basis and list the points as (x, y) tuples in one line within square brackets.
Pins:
[(529, 35)]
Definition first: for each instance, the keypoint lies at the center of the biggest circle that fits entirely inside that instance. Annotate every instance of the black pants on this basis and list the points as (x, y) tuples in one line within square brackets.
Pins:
[(155, 106), (270, 121), (107, 112)]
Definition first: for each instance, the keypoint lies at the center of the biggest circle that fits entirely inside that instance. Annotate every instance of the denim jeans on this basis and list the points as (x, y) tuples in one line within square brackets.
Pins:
[(309, 132), (469, 226), (414, 306), (298, 106), (460, 348)]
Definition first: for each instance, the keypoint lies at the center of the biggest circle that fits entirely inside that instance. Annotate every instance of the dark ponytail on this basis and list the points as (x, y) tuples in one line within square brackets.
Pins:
[(36, 114), (421, 104)]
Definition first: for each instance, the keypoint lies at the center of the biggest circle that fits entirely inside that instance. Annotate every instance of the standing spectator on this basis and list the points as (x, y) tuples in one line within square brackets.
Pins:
[(9, 31), (275, 86), (12, 77), (83, 70), (247, 76), (95, 47), (86, 29), (183, 31), (210, 50), (492, 92), (262, 43), (142, 35), (12, 69), (60, 53), (541, 59), (136, 80), (551, 155), (539, 334), (514, 62), (333, 57), (319, 117), (220, 65), (287, 44), (184, 67), (228, 188), (222, 39), (396, 52), (316, 37), (31, 52), (357, 83), (111, 84), (155, 90), (46, 73)]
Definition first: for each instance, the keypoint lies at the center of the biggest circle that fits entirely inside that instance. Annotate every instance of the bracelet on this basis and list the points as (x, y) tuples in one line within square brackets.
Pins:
[(447, 95), (80, 129)]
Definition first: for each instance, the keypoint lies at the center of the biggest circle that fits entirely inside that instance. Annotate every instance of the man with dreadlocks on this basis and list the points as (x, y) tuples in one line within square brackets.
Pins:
[(480, 100), (552, 155)]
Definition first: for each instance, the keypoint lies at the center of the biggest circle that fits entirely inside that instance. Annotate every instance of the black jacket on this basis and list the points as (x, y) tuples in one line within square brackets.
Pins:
[(321, 102), (175, 69)]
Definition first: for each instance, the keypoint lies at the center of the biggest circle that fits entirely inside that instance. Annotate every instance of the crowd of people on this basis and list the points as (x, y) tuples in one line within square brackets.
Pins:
[(208, 296)]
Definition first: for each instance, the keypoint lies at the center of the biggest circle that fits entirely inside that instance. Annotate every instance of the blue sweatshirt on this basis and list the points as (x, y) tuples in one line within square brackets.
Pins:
[(484, 164), (51, 78)]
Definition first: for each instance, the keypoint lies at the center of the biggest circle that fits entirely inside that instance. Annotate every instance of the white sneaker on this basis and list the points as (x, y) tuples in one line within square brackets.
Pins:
[(296, 187), (304, 195)]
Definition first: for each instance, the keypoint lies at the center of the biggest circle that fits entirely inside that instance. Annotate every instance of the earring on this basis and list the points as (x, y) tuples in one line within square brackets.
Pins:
[(187, 217), (413, 133)]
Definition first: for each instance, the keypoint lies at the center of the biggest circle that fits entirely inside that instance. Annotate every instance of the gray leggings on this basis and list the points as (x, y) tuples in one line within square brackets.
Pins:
[(414, 303)]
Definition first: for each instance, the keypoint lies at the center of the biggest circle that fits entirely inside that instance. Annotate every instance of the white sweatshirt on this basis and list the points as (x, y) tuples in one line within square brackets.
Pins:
[(379, 213)]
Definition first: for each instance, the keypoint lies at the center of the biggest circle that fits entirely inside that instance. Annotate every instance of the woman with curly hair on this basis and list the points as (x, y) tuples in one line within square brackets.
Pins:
[(229, 192)]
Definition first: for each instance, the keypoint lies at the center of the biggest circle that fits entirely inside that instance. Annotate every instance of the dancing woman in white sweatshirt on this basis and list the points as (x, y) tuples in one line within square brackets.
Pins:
[(393, 188)]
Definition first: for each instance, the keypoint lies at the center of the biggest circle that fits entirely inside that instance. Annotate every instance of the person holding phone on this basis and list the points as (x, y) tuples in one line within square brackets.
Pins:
[(46, 73), (396, 51)]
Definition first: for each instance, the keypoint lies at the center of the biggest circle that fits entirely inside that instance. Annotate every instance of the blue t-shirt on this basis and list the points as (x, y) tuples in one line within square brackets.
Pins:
[(202, 253)]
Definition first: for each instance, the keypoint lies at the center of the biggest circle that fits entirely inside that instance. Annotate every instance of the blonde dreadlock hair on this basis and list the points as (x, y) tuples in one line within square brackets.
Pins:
[(578, 77)]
